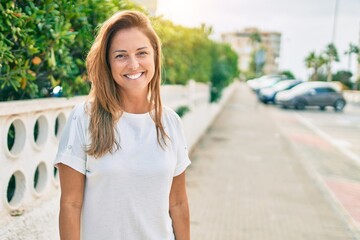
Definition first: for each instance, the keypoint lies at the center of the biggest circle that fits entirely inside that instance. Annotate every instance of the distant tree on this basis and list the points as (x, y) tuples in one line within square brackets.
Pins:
[(255, 38), (288, 73), (330, 55), (186, 52), (353, 49), (322, 76), (314, 62), (257, 57), (224, 70), (343, 77), (257, 63)]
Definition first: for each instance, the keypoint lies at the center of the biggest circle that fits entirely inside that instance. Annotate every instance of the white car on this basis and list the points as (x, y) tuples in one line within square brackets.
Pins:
[(265, 81)]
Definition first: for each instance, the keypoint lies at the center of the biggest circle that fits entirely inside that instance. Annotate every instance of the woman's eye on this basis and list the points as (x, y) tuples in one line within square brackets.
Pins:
[(120, 56), (143, 53)]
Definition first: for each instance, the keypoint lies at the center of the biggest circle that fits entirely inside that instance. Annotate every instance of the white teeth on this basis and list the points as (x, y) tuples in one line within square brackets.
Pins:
[(135, 76)]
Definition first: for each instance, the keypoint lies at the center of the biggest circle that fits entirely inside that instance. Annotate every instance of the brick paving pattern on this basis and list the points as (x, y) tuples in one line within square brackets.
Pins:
[(348, 193), (247, 182)]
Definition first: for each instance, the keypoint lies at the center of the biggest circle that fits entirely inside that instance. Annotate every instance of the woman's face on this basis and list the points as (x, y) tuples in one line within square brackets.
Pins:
[(131, 58)]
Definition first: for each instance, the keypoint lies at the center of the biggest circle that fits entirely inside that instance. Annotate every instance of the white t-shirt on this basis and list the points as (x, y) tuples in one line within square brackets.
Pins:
[(126, 193)]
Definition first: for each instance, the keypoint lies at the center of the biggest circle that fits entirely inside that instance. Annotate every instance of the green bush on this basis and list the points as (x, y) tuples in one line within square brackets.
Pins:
[(288, 73), (224, 69), (182, 110), (43, 44), (344, 77), (186, 51), (191, 54)]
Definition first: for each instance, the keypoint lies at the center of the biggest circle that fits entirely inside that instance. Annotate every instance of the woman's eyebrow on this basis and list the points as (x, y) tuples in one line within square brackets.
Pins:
[(141, 48), (119, 51)]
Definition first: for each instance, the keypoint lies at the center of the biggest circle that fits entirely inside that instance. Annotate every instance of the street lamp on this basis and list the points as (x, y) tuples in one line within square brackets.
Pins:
[(334, 23), (329, 76)]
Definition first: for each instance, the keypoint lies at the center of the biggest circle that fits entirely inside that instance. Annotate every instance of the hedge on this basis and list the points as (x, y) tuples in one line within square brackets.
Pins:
[(43, 44)]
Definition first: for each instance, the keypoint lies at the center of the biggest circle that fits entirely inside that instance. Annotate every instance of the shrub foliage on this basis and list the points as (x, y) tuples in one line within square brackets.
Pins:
[(44, 44)]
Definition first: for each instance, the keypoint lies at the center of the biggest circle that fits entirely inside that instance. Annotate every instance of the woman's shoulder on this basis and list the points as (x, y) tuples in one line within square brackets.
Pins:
[(169, 112), (82, 110), (171, 116)]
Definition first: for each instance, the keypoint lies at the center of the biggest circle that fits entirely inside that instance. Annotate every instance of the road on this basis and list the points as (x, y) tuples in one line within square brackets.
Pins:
[(261, 172), (342, 129), (330, 143)]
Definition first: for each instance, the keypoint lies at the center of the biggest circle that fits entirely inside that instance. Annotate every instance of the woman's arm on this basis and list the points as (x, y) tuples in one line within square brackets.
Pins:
[(72, 191), (179, 208)]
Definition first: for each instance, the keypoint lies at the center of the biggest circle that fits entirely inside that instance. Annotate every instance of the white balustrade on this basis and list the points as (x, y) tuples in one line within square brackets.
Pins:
[(30, 130), (352, 96)]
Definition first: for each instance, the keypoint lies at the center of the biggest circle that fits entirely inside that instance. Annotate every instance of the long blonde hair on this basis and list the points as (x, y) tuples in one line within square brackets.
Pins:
[(105, 99)]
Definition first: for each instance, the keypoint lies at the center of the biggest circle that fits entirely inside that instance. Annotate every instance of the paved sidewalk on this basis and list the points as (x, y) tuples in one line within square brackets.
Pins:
[(247, 182)]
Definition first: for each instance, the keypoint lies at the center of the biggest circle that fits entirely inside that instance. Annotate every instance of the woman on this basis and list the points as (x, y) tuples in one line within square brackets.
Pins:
[(122, 155)]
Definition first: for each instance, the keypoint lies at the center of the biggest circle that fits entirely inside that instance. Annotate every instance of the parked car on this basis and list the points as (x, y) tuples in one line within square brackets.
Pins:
[(264, 81), (269, 83), (321, 94), (268, 94)]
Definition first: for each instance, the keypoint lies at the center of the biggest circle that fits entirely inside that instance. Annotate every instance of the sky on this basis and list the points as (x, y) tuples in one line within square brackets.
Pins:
[(305, 25)]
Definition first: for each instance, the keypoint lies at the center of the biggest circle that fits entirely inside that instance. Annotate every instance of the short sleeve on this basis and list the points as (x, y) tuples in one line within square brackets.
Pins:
[(71, 150), (182, 161)]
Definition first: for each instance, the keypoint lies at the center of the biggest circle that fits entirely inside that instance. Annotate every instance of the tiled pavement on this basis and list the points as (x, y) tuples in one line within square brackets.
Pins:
[(348, 193), (248, 182)]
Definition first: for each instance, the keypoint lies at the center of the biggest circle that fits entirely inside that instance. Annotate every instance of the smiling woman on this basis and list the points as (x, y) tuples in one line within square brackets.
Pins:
[(131, 59), (116, 143)]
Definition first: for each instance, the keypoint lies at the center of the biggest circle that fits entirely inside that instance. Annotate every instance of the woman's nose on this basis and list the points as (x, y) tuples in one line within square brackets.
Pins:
[(133, 63)]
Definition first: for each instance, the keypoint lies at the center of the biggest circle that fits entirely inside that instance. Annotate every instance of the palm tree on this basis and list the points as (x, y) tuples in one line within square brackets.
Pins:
[(314, 62), (352, 49), (330, 54), (256, 40)]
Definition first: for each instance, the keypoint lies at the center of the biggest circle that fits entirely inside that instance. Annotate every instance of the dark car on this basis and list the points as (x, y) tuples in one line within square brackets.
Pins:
[(321, 94), (267, 95)]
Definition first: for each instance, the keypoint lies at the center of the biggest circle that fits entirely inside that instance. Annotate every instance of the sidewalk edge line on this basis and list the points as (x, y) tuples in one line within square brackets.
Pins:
[(325, 188), (328, 138)]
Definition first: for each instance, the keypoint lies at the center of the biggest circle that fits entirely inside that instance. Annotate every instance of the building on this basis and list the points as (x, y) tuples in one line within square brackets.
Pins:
[(244, 43), (149, 5)]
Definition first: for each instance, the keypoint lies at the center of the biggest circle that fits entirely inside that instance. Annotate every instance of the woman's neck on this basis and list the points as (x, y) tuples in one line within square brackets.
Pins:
[(135, 104)]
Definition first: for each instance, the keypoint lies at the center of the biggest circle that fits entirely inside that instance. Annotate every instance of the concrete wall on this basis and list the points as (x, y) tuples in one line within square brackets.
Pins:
[(31, 211), (352, 96)]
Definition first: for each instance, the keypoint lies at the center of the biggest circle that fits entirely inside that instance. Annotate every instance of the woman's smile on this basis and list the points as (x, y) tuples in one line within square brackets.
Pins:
[(134, 76)]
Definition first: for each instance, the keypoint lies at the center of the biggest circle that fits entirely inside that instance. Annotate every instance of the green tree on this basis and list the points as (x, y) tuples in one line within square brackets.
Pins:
[(186, 51), (256, 65), (288, 73), (255, 38), (344, 78), (353, 49), (44, 43), (224, 69), (314, 62), (330, 55)]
